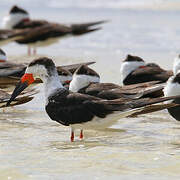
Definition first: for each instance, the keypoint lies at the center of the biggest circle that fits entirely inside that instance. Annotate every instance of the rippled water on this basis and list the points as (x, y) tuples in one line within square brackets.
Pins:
[(34, 147)]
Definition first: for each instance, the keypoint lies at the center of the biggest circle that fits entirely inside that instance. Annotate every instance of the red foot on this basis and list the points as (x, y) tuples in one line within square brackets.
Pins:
[(34, 51), (81, 135), (72, 136)]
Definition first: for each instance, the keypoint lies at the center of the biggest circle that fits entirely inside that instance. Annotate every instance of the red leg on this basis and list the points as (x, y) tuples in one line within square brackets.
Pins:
[(34, 51), (72, 136), (81, 134), (29, 51)]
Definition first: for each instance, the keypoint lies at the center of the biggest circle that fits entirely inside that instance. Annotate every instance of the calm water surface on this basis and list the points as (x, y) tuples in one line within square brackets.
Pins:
[(148, 147)]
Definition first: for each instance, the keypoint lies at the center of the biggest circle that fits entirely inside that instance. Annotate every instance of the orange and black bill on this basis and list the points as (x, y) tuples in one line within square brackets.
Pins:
[(25, 81)]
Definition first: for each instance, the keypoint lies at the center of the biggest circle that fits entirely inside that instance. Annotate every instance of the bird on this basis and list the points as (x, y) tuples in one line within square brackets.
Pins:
[(79, 111), (41, 32), (134, 70), (10, 72), (25, 97), (7, 36), (172, 87), (87, 81)]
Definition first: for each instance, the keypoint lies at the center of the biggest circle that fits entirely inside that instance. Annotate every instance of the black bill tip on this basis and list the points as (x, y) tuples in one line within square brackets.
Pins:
[(18, 89)]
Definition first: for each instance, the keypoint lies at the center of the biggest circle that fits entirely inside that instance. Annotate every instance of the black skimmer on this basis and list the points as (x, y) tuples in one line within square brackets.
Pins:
[(41, 32), (172, 88), (10, 73), (134, 70), (25, 97), (7, 36), (80, 111), (87, 81)]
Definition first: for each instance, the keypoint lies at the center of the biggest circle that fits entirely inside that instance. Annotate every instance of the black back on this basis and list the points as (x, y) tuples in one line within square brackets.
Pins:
[(131, 58), (100, 89), (16, 9), (42, 33), (147, 74), (85, 70)]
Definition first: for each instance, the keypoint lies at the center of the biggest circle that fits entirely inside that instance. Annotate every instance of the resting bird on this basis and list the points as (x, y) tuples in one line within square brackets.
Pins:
[(134, 70), (87, 81)]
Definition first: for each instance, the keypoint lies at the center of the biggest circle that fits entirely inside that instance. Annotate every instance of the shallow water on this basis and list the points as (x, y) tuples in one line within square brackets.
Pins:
[(33, 147), (148, 147)]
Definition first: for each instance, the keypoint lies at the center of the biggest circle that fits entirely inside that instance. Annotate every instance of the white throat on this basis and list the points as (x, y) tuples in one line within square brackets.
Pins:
[(128, 67), (80, 81), (12, 19), (176, 65), (51, 84), (171, 89)]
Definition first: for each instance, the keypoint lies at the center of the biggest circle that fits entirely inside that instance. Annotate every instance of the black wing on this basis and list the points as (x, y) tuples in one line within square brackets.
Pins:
[(71, 108), (43, 32), (147, 74), (30, 24), (95, 89)]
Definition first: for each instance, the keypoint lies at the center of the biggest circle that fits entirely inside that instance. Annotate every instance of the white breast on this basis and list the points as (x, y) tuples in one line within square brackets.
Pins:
[(176, 65), (128, 67), (80, 81), (171, 89), (12, 19)]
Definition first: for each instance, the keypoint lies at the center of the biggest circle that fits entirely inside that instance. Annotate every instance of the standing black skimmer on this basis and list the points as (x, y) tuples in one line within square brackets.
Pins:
[(134, 70), (87, 81), (41, 32), (80, 111), (10, 73)]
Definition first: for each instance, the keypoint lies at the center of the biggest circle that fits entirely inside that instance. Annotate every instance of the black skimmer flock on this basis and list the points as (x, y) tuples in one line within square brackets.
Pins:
[(80, 111), (10, 73), (134, 70), (87, 81), (43, 33)]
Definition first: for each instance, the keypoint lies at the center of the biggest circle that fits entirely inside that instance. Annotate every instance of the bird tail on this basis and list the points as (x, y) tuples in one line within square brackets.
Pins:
[(124, 104), (144, 106), (79, 29)]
